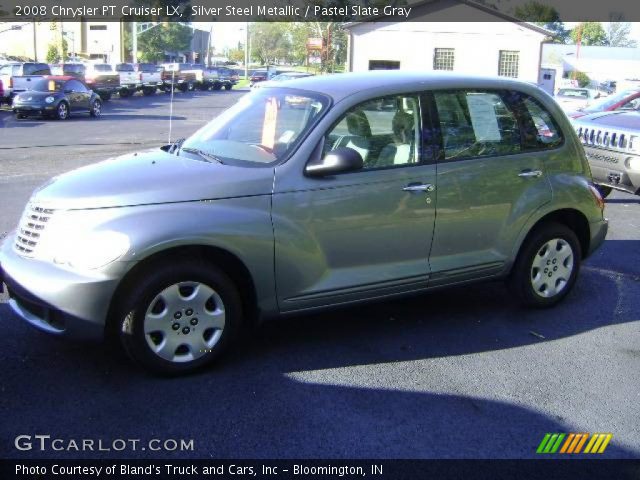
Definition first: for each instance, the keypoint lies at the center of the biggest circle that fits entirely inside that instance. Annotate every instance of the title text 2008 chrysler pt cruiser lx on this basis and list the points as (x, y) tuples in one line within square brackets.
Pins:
[(322, 192)]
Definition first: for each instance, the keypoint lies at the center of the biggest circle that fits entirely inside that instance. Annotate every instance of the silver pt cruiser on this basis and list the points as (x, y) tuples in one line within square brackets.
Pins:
[(322, 192)]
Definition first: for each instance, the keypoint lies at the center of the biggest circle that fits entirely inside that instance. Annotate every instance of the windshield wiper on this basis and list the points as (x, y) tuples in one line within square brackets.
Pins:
[(176, 145), (202, 154)]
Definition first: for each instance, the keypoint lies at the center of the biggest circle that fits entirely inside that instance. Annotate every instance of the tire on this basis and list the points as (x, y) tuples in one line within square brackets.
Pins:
[(124, 93), (147, 91), (217, 86), (228, 86), (184, 343), (105, 96), (62, 111), (96, 109), (183, 87), (203, 86), (604, 190), (542, 277)]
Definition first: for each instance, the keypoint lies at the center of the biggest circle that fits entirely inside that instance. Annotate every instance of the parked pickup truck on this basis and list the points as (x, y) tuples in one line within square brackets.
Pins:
[(149, 77), (102, 79), (611, 142), (129, 79), (181, 76), (221, 77), (18, 77)]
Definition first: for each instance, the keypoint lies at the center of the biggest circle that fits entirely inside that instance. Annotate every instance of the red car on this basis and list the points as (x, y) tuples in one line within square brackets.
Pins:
[(625, 100)]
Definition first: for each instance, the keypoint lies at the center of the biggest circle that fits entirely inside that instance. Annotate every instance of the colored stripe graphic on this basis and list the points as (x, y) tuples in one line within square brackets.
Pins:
[(573, 443)]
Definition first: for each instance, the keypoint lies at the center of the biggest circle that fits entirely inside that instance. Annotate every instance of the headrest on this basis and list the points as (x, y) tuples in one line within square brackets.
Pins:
[(357, 124)]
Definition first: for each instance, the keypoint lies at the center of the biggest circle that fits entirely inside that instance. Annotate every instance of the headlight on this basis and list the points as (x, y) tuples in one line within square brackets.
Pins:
[(93, 250), (49, 99), (634, 163)]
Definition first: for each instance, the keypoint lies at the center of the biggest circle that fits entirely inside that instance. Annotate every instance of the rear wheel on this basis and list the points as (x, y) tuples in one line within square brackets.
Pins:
[(547, 266), (105, 96), (62, 111), (228, 86), (180, 317), (184, 87), (96, 108), (604, 190)]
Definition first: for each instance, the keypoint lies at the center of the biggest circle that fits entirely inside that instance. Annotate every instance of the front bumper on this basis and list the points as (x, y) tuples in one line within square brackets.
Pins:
[(55, 300), (34, 109)]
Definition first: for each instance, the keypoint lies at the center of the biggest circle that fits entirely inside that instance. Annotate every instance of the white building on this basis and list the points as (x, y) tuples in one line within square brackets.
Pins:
[(599, 63), (492, 44)]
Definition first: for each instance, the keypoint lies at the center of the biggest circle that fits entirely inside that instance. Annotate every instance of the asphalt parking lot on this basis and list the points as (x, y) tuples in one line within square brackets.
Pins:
[(462, 373)]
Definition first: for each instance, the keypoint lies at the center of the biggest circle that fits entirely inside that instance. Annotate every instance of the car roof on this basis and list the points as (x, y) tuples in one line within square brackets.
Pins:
[(383, 82)]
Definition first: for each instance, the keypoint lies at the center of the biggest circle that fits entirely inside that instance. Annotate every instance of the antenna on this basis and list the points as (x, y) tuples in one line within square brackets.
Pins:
[(173, 77)]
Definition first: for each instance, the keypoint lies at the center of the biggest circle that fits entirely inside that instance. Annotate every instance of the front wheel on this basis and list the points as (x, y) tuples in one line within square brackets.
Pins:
[(547, 266), (96, 108), (124, 93), (180, 318), (62, 112)]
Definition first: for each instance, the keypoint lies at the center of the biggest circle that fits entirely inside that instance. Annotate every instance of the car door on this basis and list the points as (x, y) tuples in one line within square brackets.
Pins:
[(491, 178), (73, 95), (362, 234)]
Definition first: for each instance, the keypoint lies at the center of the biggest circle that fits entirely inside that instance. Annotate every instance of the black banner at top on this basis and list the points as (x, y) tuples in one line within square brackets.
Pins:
[(544, 11)]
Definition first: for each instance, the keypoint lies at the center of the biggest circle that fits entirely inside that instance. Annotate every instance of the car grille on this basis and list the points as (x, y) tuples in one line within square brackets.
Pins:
[(602, 138), (32, 224)]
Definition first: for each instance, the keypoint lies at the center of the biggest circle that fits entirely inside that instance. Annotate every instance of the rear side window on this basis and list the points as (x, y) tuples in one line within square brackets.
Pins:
[(102, 67), (541, 130), (476, 124), (124, 67), (36, 69)]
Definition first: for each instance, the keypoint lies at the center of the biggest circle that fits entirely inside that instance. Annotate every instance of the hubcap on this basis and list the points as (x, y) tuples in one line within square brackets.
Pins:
[(184, 321), (62, 110), (552, 267), (96, 108)]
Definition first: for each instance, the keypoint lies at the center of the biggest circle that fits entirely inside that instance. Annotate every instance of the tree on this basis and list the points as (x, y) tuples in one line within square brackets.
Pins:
[(589, 33), (236, 55), (169, 37), (545, 16), (270, 42), (52, 53), (618, 32)]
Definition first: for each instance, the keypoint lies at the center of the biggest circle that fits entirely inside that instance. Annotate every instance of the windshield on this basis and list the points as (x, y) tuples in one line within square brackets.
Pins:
[(48, 85), (262, 128), (570, 92), (609, 101)]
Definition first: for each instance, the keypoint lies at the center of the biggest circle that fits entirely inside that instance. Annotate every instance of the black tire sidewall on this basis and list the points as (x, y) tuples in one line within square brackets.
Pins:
[(93, 107), (520, 278), (133, 311), (58, 111)]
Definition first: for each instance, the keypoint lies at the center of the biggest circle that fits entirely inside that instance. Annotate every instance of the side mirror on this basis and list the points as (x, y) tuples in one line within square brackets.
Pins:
[(340, 160)]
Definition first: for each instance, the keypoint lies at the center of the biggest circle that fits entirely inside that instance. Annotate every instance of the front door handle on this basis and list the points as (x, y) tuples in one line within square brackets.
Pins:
[(419, 187), (530, 173)]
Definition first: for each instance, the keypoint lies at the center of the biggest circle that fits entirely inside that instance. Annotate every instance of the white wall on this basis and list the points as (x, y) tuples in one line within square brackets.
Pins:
[(476, 44)]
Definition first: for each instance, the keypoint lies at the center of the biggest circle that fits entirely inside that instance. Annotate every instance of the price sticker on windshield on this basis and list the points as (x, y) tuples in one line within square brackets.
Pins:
[(269, 123)]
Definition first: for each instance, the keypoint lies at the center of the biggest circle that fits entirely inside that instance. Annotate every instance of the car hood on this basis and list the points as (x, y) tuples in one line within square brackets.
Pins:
[(150, 178), (33, 96), (616, 119)]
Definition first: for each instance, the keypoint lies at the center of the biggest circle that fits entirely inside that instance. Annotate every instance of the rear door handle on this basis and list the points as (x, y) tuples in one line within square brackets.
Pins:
[(419, 187), (530, 173)]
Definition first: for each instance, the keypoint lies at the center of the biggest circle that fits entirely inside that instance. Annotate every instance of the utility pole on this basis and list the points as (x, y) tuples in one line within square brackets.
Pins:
[(35, 43), (246, 52), (134, 42)]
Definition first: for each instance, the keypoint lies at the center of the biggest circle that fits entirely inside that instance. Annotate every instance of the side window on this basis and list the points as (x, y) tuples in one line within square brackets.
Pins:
[(547, 134), (76, 86), (476, 124), (384, 131)]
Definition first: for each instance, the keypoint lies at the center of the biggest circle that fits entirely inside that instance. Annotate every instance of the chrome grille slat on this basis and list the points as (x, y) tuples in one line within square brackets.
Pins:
[(32, 224)]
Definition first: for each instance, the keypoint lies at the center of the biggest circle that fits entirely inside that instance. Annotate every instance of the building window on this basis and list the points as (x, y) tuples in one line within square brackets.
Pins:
[(508, 63), (384, 65), (97, 27), (443, 58)]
